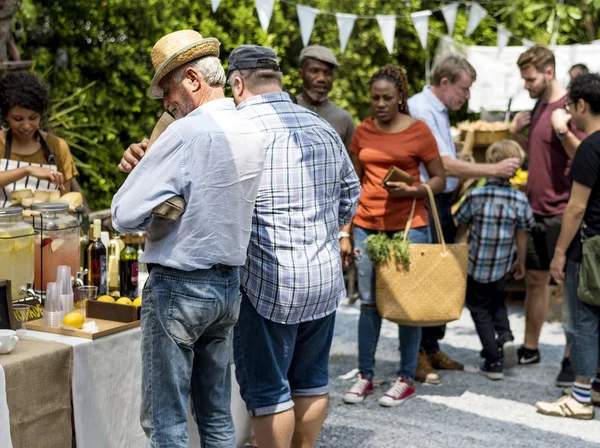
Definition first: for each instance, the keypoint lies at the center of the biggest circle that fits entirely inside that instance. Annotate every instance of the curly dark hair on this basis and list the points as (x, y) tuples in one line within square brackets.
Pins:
[(396, 76), (586, 88), (23, 89)]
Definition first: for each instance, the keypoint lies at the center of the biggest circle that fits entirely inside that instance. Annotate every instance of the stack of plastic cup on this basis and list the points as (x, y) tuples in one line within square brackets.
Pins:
[(53, 313), (65, 288)]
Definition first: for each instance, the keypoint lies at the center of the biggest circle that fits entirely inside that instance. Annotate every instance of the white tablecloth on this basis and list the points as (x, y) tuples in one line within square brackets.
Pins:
[(4, 421), (107, 389)]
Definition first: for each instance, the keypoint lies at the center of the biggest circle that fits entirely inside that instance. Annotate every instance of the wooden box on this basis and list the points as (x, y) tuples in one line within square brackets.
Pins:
[(112, 311)]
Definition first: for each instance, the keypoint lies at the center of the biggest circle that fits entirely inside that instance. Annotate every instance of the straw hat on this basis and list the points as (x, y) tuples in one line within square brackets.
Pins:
[(176, 49)]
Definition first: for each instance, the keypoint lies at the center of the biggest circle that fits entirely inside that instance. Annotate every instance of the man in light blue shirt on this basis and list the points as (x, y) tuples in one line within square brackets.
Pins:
[(213, 158), (452, 79)]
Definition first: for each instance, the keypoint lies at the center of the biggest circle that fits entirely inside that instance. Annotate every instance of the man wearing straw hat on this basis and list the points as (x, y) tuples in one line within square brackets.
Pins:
[(292, 281), (213, 158)]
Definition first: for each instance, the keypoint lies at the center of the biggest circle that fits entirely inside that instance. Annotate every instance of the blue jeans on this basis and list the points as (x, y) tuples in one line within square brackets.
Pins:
[(275, 362), (187, 326), (582, 325), (369, 323)]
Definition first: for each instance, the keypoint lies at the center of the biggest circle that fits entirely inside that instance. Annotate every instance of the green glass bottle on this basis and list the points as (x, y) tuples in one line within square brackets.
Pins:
[(128, 269)]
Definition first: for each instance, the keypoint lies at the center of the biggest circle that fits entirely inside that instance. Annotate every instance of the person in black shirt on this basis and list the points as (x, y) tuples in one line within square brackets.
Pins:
[(581, 217)]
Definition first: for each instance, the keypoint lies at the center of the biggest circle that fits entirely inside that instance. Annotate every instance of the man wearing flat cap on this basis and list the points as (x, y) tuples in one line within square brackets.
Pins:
[(212, 157), (292, 281), (317, 71)]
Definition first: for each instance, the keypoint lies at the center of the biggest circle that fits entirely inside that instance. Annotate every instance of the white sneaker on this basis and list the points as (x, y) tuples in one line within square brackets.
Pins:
[(359, 390), (401, 391), (566, 406)]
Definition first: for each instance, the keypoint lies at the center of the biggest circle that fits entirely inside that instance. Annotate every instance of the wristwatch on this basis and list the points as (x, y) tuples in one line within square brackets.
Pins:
[(561, 135), (343, 235)]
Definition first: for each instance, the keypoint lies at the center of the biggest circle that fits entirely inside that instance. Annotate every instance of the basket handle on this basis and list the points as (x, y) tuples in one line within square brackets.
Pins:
[(434, 212), (436, 218)]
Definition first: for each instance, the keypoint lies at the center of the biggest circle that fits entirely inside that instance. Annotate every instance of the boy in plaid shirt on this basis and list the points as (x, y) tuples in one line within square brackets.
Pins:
[(499, 218)]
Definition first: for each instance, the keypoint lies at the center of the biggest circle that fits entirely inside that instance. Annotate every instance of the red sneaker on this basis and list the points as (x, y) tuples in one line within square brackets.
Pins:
[(401, 391), (359, 390)]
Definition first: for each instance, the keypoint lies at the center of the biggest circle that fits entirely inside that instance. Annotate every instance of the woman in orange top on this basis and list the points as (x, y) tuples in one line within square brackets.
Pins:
[(390, 137)]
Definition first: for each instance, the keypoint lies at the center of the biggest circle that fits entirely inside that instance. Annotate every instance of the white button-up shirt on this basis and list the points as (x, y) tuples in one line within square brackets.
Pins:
[(427, 107)]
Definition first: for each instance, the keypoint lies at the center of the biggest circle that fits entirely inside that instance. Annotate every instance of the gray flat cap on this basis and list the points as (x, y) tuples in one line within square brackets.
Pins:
[(247, 57), (319, 53)]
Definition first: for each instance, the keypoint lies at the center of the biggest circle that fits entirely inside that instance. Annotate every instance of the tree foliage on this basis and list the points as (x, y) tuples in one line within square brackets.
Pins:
[(108, 42)]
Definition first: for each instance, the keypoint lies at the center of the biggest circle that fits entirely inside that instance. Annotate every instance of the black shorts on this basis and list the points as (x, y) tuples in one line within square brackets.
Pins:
[(541, 242)]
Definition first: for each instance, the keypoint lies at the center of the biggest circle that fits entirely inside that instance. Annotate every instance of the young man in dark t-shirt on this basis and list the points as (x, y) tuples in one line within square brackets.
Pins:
[(581, 219), (549, 153)]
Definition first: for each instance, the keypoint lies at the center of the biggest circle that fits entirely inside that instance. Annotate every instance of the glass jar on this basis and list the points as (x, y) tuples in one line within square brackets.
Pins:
[(57, 241), (16, 250)]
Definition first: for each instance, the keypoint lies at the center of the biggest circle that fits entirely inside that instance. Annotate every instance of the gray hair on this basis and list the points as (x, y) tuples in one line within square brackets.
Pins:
[(256, 78), (209, 67)]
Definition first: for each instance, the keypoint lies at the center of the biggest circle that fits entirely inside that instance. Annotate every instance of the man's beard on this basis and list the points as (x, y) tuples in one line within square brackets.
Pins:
[(539, 92), (316, 96)]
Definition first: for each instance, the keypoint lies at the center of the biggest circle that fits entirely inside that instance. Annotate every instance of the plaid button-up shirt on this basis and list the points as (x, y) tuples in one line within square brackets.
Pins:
[(495, 212), (308, 190)]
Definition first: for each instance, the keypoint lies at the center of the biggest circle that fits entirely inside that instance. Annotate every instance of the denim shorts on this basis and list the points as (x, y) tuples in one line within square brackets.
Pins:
[(275, 362)]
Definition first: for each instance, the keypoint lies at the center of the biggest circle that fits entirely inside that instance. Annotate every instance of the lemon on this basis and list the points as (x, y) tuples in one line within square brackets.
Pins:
[(124, 301), (137, 301), (108, 299), (74, 320)]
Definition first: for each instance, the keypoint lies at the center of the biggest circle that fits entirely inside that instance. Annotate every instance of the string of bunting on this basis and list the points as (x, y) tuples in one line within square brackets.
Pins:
[(387, 23)]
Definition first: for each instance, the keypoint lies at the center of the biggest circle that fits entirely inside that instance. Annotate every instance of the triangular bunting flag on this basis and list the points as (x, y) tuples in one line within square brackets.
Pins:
[(527, 43), (265, 10), (449, 12), (215, 5), (421, 23), (388, 30), (306, 17), (345, 23), (502, 37), (476, 15)]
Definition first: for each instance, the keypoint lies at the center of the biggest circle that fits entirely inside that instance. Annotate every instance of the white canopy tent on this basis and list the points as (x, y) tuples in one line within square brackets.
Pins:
[(499, 79)]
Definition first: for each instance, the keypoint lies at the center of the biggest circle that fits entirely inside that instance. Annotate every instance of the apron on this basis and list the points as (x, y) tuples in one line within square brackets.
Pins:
[(30, 182)]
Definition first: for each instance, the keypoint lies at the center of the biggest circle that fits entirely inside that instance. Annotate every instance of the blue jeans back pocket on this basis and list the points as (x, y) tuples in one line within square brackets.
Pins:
[(188, 317)]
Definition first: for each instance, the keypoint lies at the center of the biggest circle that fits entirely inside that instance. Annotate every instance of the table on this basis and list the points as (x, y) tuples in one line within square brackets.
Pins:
[(106, 388), (35, 394)]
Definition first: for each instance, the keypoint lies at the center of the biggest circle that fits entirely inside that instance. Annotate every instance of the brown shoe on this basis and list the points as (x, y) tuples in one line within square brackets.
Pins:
[(440, 360), (425, 373)]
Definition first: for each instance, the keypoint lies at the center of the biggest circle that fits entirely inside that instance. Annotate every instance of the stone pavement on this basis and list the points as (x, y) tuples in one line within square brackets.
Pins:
[(467, 410)]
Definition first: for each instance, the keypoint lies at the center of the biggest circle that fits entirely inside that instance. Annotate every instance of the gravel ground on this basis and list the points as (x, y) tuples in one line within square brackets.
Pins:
[(467, 410)]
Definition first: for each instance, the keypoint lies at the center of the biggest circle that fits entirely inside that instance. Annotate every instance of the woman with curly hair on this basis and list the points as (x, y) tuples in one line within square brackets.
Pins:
[(389, 138), (31, 158)]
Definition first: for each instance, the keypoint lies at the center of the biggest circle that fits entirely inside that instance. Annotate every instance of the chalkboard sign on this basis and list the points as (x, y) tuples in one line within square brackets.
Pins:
[(7, 319)]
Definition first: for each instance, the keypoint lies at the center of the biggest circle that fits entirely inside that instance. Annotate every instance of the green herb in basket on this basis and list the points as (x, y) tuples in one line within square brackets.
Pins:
[(401, 251), (378, 248)]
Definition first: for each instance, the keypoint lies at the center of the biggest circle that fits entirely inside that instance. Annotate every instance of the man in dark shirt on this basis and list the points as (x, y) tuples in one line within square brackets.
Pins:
[(581, 218), (548, 185)]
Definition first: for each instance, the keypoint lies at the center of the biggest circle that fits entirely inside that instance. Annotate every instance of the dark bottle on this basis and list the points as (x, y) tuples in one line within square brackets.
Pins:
[(128, 269), (96, 255), (84, 242)]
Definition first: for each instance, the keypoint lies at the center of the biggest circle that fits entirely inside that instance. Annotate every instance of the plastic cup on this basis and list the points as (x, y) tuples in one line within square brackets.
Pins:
[(52, 301), (53, 319), (65, 288), (85, 293), (21, 313)]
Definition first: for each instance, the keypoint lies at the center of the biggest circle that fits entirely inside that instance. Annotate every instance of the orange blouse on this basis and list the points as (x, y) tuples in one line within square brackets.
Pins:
[(377, 151)]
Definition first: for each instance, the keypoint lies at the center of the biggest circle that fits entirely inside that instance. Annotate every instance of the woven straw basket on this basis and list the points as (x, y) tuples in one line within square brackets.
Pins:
[(432, 291)]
